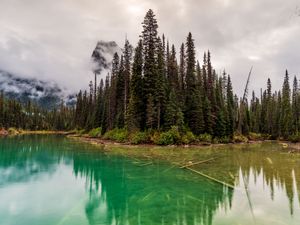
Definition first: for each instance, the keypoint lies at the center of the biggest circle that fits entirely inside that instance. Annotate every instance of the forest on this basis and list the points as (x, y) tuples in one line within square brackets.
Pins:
[(157, 94)]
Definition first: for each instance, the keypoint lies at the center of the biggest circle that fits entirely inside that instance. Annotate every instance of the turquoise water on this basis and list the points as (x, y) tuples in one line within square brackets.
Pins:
[(52, 180)]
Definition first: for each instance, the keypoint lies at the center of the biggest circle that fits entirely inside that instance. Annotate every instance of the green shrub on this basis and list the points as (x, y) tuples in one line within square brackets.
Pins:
[(154, 138), (206, 138), (255, 136), (170, 137), (188, 138), (239, 138), (96, 132), (119, 135), (80, 132), (139, 138), (294, 138), (267, 137), (221, 140), (12, 131)]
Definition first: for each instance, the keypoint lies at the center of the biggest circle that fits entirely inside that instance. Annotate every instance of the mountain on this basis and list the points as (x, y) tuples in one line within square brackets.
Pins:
[(50, 94), (44, 93), (102, 55)]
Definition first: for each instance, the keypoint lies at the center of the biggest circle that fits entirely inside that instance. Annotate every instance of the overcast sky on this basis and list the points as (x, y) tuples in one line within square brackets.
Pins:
[(53, 39)]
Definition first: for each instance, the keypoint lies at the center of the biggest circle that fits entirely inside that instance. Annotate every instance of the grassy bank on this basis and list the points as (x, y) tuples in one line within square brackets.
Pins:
[(165, 138), (172, 138), (14, 131)]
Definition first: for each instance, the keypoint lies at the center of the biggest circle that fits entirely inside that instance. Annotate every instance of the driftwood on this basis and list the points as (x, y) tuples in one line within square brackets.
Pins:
[(196, 163), (211, 178)]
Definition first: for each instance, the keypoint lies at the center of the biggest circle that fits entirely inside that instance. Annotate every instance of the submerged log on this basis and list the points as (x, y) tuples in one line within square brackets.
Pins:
[(197, 163), (211, 178)]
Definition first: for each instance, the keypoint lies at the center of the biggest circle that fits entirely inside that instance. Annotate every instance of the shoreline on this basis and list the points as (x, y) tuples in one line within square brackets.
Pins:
[(13, 132), (293, 147)]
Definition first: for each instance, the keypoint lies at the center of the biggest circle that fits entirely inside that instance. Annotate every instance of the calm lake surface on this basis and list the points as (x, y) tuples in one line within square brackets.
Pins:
[(52, 180)]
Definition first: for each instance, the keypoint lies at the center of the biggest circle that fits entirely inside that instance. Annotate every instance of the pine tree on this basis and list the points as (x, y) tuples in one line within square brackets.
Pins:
[(269, 110), (182, 70), (230, 108), (220, 125), (127, 72), (173, 115), (286, 113), (161, 86), (193, 103), (112, 107), (295, 106), (151, 114), (135, 115), (120, 95), (99, 105), (150, 44)]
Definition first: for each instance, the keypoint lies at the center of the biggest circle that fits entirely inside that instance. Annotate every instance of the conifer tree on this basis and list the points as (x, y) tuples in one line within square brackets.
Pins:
[(150, 44), (151, 114), (230, 108), (112, 107), (182, 70), (286, 112), (161, 86), (193, 103), (120, 95), (295, 106), (135, 115), (127, 72)]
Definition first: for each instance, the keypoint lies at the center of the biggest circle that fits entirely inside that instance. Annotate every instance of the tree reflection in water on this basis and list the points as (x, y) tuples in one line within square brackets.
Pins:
[(122, 191)]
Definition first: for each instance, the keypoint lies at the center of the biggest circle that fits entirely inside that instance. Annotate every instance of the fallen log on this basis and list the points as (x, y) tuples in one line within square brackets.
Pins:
[(196, 163), (211, 178)]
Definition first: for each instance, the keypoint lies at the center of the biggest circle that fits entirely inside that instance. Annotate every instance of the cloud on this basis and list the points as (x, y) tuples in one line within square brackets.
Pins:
[(54, 39)]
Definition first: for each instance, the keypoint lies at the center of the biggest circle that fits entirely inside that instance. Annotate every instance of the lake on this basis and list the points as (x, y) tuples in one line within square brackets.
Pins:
[(53, 180)]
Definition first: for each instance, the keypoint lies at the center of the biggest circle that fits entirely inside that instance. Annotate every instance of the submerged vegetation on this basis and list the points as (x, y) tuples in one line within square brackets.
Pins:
[(147, 185), (154, 95)]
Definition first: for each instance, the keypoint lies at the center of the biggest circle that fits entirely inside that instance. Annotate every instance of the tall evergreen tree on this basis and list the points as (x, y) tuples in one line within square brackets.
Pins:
[(193, 103), (286, 112), (135, 114), (295, 106)]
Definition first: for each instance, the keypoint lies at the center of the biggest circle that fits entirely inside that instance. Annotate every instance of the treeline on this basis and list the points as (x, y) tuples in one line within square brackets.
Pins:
[(29, 116), (156, 93), (150, 89), (276, 114)]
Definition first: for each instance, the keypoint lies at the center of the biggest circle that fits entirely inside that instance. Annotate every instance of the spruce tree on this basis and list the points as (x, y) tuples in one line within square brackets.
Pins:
[(127, 72), (150, 44), (230, 108), (193, 103), (182, 70), (135, 114), (295, 106), (286, 112)]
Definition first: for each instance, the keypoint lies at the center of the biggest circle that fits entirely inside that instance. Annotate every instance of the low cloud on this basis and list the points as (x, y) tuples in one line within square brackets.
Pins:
[(54, 39)]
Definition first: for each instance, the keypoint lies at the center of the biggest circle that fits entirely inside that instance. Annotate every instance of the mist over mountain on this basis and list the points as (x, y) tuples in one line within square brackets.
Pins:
[(102, 56), (50, 94), (44, 93)]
